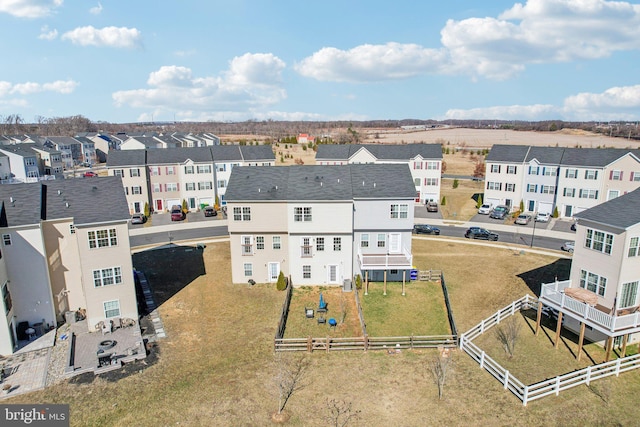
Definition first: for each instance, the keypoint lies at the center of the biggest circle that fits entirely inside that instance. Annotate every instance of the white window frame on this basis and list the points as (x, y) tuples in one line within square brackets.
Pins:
[(593, 282), (306, 272), (242, 213), (188, 170), (382, 240), (337, 244), (115, 311), (532, 188), (102, 238), (509, 187), (591, 174), (319, 244), (399, 211), (364, 240), (569, 192), (107, 276), (6, 239), (634, 246), (599, 241), (248, 269), (134, 172), (259, 242), (190, 186), (495, 168), (534, 170), (302, 214), (571, 173), (512, 169), (246, 245), (616, 175), (204, 169), (276, 242)]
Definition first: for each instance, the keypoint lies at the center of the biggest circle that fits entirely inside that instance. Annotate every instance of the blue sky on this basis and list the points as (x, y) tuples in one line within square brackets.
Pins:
[(140, 60)]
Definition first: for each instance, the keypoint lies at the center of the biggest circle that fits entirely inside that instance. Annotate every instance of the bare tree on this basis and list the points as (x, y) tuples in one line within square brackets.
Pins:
[(507, 333), (290, 377), (439, 366), (478, 172), (340, 413), (343, 308)]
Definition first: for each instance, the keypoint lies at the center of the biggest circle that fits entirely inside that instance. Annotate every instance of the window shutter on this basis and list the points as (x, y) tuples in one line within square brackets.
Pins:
[(165, 187), (621, 175), (596, 194), (631, 176), (178, 186), (610, 174)]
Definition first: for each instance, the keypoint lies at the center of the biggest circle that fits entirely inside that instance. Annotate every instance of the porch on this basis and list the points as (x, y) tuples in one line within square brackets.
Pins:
[(402, 262)]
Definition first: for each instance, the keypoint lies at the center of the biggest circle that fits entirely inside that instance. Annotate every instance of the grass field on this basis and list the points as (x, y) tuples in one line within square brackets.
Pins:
[(215, 368)]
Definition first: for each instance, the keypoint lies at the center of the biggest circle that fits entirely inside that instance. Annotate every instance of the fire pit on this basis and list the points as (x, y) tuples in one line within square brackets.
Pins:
[(106, 345)]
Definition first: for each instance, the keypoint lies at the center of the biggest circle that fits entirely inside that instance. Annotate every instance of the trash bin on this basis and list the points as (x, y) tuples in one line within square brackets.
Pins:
[(347, 285), (414, 274)]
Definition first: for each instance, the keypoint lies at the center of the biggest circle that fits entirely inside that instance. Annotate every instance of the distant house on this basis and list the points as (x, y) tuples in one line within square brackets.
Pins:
[(601, 296), (305, 138), (321, 225), (65, 246), (24, 162), (424, 161), (148, 142)]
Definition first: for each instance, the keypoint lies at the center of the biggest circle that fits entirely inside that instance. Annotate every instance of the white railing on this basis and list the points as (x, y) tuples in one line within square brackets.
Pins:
[(386, 263), (527, 393)]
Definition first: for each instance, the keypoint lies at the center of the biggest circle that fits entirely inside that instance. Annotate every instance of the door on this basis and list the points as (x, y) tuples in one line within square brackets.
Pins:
[(568, 211), (158, 205), (531, 206), (628, 295), (192, 202), (332, 271), (394, 243), (274, 271), (136, 207)]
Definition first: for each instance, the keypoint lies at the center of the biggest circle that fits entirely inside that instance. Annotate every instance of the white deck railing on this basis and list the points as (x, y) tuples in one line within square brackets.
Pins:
[(373, 261)]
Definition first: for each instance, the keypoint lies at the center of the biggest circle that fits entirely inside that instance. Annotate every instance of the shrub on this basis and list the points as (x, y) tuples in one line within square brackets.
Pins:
[(555, 212), (456, 183), (479, 204), (444, 201), (358, 281), (147, 211), (282, 282)]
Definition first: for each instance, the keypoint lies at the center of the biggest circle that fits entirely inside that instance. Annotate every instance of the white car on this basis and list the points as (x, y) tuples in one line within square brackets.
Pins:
[(484, 210), (568, 246), (543, 217)]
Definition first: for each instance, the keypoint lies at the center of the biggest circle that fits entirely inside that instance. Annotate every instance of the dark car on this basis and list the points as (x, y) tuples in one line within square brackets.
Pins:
[(210, 211), (425, 229), (432, 207), (176, 213), (499, 212), (480, 233), (138, 218)]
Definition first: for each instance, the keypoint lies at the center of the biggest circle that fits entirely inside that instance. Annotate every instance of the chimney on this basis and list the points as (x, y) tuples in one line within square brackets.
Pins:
[(43, 202)]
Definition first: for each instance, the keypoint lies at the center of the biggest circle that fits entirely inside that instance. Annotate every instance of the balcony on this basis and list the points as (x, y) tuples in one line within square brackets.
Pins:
[(600, 318), (373, 261)]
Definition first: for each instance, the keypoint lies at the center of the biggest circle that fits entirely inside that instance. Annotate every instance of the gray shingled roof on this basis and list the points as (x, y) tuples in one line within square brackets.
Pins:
[(23, 149), (90, 200), (255, 152), (267, 183), (507, 153), (170, 156), (621, 212), (379, 151), (545, 155), (598, 157), (125, 158), (595, 157)]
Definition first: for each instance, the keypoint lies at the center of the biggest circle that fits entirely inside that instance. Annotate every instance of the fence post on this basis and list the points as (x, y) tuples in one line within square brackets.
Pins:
[(309, 344), (482, 327), (366, 342), (498, 317), (461, 342), (482, 360), (411, 341), (588, 378), (618, 367), (525, 395), (506, 379), (327, 344), (513, 308), (557, 385)]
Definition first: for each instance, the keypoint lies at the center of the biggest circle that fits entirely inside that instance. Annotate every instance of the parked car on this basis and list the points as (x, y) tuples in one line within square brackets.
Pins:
[(543, 217), (484, 210), (480, 233), (568, 246), (89, 174), (210, 211), (432, 207), (138, 218), (523, 219), (176, 213), (499, 212), (425, 229)]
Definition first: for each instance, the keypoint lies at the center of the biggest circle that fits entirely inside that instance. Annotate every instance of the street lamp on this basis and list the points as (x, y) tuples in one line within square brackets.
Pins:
[(535, 214)]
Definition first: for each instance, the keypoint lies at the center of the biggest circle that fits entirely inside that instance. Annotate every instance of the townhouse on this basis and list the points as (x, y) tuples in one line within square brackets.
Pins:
[(424, 161), (61, 253), (600, 299), (24, 162), (197, 175), (567, 179), (321, 225)]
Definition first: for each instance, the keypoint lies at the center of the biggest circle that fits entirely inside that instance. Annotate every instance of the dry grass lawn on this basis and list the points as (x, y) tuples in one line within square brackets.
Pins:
[(215, 368), (461, 201)]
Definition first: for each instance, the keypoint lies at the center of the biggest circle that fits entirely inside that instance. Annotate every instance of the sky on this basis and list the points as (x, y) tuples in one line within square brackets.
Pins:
[(124, 61)]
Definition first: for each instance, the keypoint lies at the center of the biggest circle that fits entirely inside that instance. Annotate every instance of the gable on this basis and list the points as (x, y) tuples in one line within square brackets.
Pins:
[(362, 156)]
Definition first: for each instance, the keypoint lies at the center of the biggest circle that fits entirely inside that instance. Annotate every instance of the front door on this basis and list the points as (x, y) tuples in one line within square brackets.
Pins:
[(136, 207), (274, 271), (159, 205), (567, 211), (532, 206), (394, 243), (332, 271)]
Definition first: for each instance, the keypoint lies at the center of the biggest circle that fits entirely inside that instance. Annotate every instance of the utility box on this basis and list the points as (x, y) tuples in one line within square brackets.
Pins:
[(70, 317), (347, 285)]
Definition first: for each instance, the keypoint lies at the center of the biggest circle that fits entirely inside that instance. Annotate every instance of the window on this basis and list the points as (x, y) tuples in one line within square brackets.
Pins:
[(72, 229), (102, 238), (590, 174), (222, 167), (259, 242), (242, 213), (569, 192), (633, 247), (276, 242), (599, 241), (205, 185), (319, 244), (510, 187), (157, 188), (533, 170), (382, 239), (245, 242), (112, 309), (6, 239), (635, 176), (588, 194), (416, 182), (532, 188), (248, 269), (107, 276), (32, 174), (204, 168), (571, 173), (306, 272), (417, 165), (512, 169), (222, 183), (433, 166), (337, 244), (171, 170), (612, 194), (134, 172), (136, 190), (593, 282), (118, 172), (155, 170), (171, 186), (306, 247), (190, 186), (495, 168), (431, 181), (399, 211), (550, 171), (494, 185), (126, 190), (301, 214), (548, 189), (364, 240), (615, 175), (6, 297), (188, 170), (629, 294)]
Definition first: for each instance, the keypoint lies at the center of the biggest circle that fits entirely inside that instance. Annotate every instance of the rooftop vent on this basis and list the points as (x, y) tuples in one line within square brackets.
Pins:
[(59, 192), (66, 204)]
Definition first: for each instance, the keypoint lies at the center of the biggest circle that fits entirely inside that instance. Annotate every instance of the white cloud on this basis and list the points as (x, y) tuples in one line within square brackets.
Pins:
[(537, 31), (252, 82), (46, 34), (119, 37), (29, 88), (371, 62), (29, 8), (96, 10)]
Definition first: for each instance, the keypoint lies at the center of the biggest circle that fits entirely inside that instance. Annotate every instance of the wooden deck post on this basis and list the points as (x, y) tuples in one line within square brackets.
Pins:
[(558, 329), (607, 355), (385, 282), (624, 345), (538, 318), (404, 275), (580, 340), (366, 282)]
